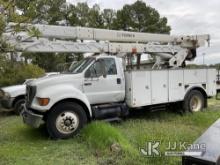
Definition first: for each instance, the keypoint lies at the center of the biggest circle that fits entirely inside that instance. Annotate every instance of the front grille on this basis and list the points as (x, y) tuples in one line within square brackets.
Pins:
[(30, 93)]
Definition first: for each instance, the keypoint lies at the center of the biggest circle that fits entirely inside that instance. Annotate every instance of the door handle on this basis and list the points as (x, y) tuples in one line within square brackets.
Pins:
[(118, 81), (87, 84)]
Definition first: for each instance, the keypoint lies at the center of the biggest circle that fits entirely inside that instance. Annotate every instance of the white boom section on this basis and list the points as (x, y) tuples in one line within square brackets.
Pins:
[(82, 33), (44, 45), (172, 49)]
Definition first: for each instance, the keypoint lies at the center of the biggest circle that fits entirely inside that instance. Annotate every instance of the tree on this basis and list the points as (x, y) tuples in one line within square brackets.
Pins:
[(142, 18), (79, 14), (135, 17), (95, 18), (108, 16), (41, 11), (45, 12)]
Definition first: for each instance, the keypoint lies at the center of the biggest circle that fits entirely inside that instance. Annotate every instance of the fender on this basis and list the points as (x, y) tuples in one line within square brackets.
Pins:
[(15, 90), (196, 87), (58, 93)]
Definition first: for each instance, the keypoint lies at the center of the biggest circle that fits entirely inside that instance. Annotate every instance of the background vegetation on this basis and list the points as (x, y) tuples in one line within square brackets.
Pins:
[(135, 17), (132, 17)]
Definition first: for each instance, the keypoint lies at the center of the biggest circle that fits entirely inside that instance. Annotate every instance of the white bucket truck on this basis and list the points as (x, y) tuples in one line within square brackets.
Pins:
[(107, 84)]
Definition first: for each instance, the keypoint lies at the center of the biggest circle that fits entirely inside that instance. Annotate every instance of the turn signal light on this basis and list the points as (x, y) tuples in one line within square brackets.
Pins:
[(43, 101)]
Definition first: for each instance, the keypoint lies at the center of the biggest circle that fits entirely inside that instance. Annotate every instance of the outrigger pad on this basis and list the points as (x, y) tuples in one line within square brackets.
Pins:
[(211, 154)]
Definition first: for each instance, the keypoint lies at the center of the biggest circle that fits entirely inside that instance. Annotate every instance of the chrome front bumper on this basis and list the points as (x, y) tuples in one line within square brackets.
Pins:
[(31, 118)]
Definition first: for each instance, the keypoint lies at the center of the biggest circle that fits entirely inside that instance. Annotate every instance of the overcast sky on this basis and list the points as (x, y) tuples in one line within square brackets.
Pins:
[(184, 17)]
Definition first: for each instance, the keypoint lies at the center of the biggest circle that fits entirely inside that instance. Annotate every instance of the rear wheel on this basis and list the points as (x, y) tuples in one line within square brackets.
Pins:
[(18, 106), (194, 101), (65, 120)]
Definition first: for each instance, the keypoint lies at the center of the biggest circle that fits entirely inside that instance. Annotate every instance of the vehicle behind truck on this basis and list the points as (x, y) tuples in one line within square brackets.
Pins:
[(12, 98)]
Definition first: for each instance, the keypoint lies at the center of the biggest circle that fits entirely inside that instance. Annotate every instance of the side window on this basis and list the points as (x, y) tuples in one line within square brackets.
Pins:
[(110, 66), (95, 70)]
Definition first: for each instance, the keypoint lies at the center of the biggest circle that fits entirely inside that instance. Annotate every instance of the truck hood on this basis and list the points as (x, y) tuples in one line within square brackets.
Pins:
[(73, 79), (15, 90)]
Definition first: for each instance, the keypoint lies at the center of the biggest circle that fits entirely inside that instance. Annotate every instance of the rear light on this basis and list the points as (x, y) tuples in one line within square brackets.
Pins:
[(43, 101)]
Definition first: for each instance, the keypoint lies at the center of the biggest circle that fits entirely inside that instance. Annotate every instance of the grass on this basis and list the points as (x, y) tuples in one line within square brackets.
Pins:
[(20, 144)]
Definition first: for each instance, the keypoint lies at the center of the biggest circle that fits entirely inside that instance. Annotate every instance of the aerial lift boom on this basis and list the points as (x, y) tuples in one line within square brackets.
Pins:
[(171, 49)]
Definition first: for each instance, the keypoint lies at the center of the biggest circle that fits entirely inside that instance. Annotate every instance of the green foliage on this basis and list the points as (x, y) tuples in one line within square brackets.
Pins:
[(135, 17), (195, 66), (2, 24), (101, 135), (95, 18), (34, 32), (41, 10), (217, 66), (79, 14), (109, 15), (17, 73), (140, 17), (48, 61)]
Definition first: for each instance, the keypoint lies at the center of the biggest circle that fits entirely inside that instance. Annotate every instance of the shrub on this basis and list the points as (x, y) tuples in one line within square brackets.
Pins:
[(16, 73), (101, 135)]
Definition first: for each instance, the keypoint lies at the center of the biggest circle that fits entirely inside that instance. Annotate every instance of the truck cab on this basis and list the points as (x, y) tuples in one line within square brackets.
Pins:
[(73, 97)]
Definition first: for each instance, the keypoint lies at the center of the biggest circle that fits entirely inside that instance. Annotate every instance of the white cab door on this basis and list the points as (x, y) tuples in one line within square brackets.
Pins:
[(100, 89)]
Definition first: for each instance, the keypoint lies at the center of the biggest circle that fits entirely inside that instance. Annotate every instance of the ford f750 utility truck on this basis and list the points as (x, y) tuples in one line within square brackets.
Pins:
[(114, 79)]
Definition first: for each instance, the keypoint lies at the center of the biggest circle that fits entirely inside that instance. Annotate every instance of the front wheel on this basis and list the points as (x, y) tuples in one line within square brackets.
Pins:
[(194, 101), (65, 120)]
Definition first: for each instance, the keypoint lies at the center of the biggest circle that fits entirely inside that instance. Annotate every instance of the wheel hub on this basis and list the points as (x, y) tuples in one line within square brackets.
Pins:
[(67, 122), (196, 104)]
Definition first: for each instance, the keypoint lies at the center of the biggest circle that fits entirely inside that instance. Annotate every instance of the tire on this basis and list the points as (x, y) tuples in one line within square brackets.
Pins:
[(18, 106), (194, 101), (65, 120)]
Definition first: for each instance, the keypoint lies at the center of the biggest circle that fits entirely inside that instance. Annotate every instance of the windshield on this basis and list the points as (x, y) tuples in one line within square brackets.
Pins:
[(78, 67)]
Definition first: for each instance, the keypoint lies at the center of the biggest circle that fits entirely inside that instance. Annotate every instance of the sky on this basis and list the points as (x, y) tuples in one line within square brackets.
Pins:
[(185, 17)]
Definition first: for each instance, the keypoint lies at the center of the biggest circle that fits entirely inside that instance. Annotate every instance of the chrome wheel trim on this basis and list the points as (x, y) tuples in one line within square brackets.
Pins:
[(195, 104), (67, 122)]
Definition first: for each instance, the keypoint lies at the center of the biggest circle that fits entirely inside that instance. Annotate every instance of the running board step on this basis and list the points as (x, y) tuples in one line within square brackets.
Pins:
[(109, 111), (113, 119), (158, 108)]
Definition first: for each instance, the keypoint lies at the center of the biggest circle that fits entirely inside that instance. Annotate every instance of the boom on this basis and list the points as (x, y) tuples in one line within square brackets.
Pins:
[(172, 49)]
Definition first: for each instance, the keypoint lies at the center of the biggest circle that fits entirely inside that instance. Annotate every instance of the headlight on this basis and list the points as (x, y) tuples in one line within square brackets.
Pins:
[(7, 95), (2, 93)]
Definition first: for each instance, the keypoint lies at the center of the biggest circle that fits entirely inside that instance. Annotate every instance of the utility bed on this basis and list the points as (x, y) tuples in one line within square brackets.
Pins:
[(148, 87)]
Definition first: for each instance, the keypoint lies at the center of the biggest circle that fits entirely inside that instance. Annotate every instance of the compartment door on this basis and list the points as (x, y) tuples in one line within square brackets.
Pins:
[(159, 86), (176, 85), (141, 88)]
